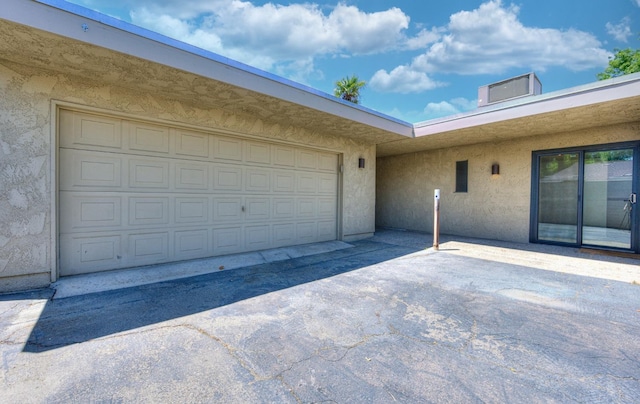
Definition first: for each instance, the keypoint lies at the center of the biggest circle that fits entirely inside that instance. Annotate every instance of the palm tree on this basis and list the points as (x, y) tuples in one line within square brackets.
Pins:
[(349, 89)]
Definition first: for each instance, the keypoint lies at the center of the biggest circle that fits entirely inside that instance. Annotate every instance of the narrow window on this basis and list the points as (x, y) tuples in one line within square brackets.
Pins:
[(462, 168)]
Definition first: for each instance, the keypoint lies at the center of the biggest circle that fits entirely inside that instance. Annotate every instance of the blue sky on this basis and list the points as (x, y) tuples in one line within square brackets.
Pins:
[(421, 59)]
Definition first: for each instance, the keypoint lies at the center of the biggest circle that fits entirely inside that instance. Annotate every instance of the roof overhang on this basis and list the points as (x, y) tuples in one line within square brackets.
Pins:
[(60, 36), (603, 103)]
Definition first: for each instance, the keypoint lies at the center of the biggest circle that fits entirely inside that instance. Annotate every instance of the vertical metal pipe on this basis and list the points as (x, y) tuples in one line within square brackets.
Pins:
[(436, 219)]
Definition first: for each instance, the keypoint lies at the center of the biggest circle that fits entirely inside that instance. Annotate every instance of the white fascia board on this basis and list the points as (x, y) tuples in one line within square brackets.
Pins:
[(76, 22), (594, 93)]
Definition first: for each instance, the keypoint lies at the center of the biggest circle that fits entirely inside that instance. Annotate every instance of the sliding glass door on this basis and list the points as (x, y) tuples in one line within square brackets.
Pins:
[(586, 197), (607, 206), (558, 198)]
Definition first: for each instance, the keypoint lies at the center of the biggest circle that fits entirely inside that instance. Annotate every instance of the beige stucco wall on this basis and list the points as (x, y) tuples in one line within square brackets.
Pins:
[(26, 170), (495, 207)]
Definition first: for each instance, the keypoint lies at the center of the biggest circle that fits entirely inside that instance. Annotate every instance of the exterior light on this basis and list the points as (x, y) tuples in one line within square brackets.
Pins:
[(495, 169), (361, 162)]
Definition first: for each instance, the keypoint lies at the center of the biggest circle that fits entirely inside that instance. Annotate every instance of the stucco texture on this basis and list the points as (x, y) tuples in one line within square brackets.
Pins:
[(27, 168), (495, 207)]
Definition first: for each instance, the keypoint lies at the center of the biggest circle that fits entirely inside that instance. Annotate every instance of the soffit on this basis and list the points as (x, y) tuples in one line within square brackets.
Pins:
[(40, 49), (567, 119)]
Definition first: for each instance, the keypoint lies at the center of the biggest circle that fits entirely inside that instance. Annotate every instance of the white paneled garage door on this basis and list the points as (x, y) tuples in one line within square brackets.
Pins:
[(134, 193)]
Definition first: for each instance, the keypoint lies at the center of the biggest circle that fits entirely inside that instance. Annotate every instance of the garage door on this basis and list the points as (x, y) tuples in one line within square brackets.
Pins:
[(134, 193)]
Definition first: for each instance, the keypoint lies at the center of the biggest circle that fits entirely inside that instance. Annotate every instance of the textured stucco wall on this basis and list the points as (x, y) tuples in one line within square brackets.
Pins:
[(359, 193), (495, 207), (26, 96)]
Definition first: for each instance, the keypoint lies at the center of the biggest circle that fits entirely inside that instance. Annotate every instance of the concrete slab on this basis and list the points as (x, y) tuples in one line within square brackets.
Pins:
[(384, 321), (126, 278)]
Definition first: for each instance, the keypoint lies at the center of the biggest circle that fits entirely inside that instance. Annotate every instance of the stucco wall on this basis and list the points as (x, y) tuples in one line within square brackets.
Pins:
[(26, 170), (495, 207)]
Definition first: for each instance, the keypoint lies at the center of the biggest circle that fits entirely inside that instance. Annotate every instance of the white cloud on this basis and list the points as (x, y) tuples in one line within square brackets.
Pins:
[(423, 39), (403, 80), (363, 33), (177, 28), (621, 31), (464, 104), (273, 36), (445, 108), (438, 109), (492, 40)]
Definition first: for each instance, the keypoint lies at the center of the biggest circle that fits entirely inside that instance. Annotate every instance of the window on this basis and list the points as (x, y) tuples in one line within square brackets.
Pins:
[(462, 168)]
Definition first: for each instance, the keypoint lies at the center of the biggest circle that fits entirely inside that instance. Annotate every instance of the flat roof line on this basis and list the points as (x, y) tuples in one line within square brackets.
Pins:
[(535, 99)]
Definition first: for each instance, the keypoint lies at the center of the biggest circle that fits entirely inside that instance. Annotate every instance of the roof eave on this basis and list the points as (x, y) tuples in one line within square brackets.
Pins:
[(614, 89)]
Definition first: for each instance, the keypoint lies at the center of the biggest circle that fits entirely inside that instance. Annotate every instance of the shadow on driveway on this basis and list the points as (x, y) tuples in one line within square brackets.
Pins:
[(78, 319)]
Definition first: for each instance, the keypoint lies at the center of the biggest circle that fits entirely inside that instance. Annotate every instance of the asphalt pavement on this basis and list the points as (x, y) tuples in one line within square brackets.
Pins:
[(381, 320)]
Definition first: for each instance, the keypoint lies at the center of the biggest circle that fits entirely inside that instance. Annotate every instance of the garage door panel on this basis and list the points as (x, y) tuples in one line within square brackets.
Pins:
[(148, 248), (191, 176), (148, 173), (283, 234), (327, 184), (258, 180), (257, 237), (90, 253), (80, 169), (191, 244), (257, 208), (87, 211), (284, 156), (149, 138), (327, 162), (326, 207), (307, 159), (90, 130), (284, 182), (227, 209), (192, 144), (191, 210), (148, 211), (307, 183), (326, 230), (259, 153), (227, 178), (306, 232), (306, 208), (228, 240), (284, 208), (227, 148)]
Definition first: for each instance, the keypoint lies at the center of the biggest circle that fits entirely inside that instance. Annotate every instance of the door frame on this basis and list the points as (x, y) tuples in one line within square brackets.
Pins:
[(581, 150)]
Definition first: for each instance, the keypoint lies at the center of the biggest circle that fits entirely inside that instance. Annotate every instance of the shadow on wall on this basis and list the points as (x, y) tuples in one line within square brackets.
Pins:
[(78, 319)]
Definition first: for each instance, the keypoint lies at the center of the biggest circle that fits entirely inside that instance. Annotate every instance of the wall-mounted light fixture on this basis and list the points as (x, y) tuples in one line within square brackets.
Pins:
[(495, 169), (361, 162)]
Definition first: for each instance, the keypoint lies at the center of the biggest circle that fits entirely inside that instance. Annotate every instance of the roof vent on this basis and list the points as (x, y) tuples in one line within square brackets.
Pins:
[(516, 87)]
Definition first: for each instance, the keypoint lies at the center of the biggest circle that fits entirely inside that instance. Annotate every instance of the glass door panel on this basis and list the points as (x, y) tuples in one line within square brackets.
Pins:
[(558, 198), (606, 211)]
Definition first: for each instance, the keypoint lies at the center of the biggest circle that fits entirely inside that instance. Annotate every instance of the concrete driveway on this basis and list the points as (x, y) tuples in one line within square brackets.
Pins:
[(381, 321)]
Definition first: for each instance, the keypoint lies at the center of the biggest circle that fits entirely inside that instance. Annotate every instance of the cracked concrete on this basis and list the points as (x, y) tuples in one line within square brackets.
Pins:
[(382, 321)]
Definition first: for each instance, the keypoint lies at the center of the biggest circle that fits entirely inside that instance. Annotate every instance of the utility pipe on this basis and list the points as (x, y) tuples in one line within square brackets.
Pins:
[(436, 219)]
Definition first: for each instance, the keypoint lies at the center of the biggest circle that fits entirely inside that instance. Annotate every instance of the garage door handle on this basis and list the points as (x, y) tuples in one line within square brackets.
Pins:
[(243, 208)]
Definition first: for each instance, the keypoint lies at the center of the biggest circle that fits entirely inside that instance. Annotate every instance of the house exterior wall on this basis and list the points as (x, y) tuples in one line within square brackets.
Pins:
[(27, 164), (495, 207)]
